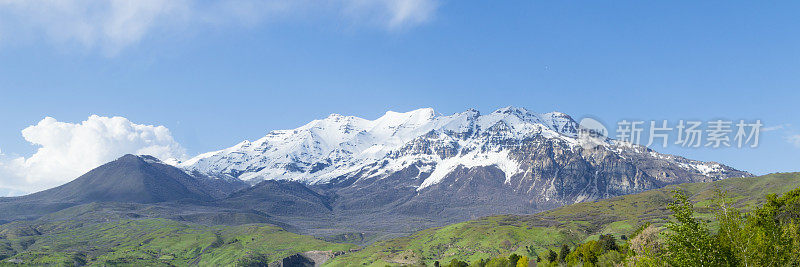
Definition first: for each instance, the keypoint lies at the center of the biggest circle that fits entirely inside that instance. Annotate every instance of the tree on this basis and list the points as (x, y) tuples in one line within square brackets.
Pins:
[(522, 262), (562, 257), (551, 256), (457, 263), (610, 258), (513, 258), (608, 242), (498, 262), (689, 242), (778, 224), (646, 242), (768, 237), (586, 253), (733, 233)]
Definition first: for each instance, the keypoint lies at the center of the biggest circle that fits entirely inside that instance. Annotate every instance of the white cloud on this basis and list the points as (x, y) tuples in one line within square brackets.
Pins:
[(67, 150), (776, 127), (110, 24), (394, 14), (10, 192), (794, 139), (113, 25)]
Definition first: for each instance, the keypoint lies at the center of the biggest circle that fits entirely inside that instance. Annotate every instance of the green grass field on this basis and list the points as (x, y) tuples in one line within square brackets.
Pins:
[(157, 242), (505, 234)]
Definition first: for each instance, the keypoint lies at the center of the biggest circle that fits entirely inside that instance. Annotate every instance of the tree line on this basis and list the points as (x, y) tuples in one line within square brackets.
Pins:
[(769, 235)]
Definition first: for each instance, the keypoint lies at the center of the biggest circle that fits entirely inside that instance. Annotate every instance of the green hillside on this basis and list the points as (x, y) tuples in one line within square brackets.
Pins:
[(154, 242), (90, 234), (502, 235)]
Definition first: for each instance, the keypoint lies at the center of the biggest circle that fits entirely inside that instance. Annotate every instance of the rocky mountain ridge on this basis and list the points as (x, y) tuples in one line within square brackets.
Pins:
[(540, 156)]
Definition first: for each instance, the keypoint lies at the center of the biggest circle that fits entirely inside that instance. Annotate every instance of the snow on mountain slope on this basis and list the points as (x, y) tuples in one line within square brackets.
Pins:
[(336, 146)]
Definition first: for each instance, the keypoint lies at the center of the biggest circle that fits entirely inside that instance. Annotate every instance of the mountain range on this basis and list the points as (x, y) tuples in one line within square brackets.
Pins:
[(344, 174)]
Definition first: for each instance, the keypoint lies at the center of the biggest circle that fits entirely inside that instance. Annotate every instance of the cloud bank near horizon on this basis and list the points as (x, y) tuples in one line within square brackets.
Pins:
[(113, 25), (68, 150)]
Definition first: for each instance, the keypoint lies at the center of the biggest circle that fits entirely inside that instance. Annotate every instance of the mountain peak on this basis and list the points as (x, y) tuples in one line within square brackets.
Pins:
[(130, 178), (512, 109), (129, 158), (325, 150), (557, 114), (422, 113), (335, 116), (138, 159)]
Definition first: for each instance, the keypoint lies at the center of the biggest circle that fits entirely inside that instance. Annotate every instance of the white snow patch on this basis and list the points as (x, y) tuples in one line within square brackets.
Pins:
[(473, 159)]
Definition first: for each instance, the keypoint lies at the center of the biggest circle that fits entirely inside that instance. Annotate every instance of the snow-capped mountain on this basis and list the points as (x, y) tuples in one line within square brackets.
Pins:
[(329, 148), (337, 146), (436, 169)]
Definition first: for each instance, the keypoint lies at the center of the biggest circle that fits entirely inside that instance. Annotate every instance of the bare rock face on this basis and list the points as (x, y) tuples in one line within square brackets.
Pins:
[(306, 259), (296, 260), (549, 174)]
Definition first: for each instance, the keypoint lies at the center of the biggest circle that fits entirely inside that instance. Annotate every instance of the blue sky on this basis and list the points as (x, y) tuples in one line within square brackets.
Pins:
[(215, 78)]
